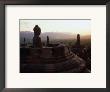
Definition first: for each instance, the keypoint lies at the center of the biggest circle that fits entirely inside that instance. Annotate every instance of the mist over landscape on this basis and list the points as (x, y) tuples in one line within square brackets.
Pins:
[(28, 35), (55, 46)]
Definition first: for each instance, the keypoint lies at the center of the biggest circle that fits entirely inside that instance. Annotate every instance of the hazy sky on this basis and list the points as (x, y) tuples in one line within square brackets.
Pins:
[(68, 26)]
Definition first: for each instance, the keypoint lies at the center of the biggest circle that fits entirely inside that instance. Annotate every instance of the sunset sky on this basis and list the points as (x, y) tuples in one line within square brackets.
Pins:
[(68, 26)]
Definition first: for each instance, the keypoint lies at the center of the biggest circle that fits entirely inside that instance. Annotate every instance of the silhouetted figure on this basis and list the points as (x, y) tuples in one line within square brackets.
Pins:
[(47, 40), (36, 39), (78, 40)]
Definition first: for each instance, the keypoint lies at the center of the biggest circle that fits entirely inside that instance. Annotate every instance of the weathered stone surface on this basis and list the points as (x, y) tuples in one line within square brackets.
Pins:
[(43, 61)]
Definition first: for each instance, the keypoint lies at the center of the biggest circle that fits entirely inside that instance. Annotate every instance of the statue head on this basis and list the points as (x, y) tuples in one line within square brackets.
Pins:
[(37, 30)]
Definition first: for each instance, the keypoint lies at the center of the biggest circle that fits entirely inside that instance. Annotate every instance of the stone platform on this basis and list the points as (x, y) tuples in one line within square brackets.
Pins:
[(50, 60)]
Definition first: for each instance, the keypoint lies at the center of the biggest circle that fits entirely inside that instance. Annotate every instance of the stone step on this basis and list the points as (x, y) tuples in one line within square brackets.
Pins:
[(46, 60), (55, 60), (65, 66)]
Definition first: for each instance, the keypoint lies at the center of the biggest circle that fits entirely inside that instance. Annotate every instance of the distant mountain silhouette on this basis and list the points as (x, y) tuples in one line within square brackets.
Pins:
[(57, 35), (52, 35), (26, 34)]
